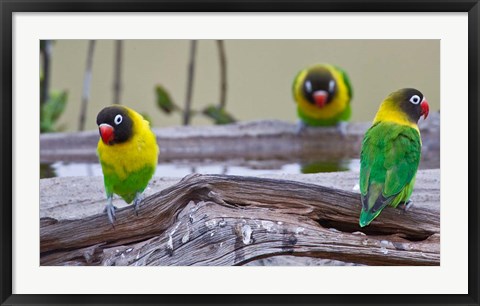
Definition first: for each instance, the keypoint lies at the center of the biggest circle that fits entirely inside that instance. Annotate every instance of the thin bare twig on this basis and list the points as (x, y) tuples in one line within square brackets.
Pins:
[(223, 73), (86, 85), (46, 53), (191, 72), (117, 82)]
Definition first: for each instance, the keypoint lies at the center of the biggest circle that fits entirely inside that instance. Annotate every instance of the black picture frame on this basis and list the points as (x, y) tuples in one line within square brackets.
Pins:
[(8, 7)]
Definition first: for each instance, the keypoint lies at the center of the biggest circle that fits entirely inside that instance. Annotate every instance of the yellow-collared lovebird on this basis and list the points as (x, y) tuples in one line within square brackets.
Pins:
[(128, 153), (391, 153), (322, 93)]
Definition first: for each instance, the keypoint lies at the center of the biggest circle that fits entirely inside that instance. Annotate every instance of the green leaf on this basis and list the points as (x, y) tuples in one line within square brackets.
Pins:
[(46, 126), (147, 117), (51, 110), (47, 171), (58, 101), (164, 102), (218, 115)]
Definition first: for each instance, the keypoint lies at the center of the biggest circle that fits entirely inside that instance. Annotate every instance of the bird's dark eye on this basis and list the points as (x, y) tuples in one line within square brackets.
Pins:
[(118, 119), (415, 99)]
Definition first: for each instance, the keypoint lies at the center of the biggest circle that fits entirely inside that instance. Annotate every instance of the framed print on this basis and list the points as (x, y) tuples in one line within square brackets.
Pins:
[(239, 152)]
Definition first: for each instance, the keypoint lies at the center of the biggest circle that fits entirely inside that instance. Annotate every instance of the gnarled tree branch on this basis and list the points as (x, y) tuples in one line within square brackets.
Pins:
[(231, 220)]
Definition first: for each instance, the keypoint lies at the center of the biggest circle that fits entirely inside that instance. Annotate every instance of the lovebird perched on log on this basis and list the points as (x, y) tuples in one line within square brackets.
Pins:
[(391, 153), (128, 153), (322, 93)]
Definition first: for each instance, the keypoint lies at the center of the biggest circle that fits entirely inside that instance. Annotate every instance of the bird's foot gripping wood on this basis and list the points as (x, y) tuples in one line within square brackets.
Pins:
[(136, 202), (342, 128), (110, 209), (405, 206), (300, 127)]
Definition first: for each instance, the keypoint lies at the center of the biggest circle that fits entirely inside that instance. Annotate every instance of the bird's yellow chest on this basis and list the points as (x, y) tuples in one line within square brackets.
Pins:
[(128, 157)]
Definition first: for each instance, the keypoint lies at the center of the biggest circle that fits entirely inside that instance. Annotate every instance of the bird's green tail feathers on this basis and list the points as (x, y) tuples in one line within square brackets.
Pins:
[(367, 216), (372, 204)]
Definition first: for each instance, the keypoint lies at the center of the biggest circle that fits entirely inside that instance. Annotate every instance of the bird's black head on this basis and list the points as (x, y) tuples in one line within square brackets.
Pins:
[(114, 124), (411, 102), (319, 86)]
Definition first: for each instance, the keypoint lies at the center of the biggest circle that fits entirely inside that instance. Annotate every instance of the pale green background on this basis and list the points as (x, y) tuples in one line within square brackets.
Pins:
[(260, 74)]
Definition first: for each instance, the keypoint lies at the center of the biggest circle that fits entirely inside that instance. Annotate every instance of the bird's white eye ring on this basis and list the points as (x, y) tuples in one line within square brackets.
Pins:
[(308, 85), (118, 119), (331, 85), (415, 99)]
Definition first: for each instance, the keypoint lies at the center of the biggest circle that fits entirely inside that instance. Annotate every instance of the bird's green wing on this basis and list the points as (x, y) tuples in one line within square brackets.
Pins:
[(389, 161), (401, 161), (370, 156), (346, 80), (294, 84)]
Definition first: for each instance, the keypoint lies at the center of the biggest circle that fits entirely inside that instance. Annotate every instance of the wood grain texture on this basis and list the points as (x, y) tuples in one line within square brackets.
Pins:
[(232, 220)]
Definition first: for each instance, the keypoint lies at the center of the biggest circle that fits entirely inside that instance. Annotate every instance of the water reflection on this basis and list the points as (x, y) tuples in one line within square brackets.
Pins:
[(235, 167), (326, 166), (47, 170)]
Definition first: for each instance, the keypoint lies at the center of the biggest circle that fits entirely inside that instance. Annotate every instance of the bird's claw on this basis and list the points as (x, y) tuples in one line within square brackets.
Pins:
[(342, 128), (300, 127), (110, 209), (136, 203), (406, 206)]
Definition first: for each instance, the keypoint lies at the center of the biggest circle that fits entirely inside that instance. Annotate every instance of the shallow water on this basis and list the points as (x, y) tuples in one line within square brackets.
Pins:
[(235, 167)]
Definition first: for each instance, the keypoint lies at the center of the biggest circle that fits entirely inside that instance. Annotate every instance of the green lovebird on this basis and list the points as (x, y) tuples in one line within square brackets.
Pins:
[(391, 153), (322, 93)]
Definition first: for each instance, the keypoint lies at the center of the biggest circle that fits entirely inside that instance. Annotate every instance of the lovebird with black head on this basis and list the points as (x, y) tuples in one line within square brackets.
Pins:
[(128, 153), (322, 93), (390, 153)]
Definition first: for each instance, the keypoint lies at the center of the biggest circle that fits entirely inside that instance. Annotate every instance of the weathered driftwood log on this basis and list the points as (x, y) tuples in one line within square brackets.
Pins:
[(248, 140), (231, 220)]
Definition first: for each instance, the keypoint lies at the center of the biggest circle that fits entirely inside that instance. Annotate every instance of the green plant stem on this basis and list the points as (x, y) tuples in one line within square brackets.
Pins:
[(86, 85), (46, 53), (117, 82), (191, 71), (223, 73)]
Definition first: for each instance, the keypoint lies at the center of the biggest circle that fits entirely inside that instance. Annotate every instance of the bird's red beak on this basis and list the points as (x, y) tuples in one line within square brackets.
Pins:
[(106, 132), (425, 108), (320, 97)]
